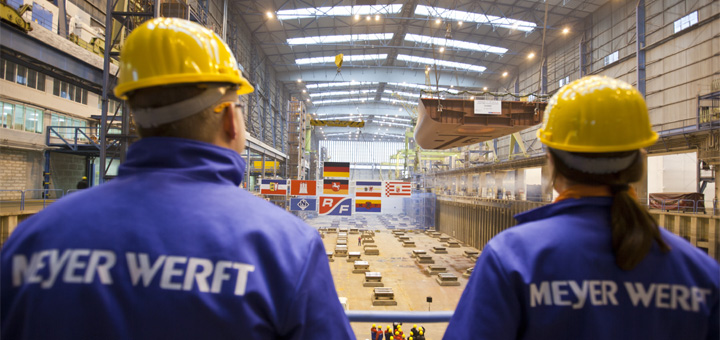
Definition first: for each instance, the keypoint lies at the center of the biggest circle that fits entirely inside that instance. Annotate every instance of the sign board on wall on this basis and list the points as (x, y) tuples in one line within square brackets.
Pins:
[(488, 107)]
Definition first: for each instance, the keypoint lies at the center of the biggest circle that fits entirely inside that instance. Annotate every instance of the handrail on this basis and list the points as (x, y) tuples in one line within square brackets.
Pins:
[(402, 316), (22, 196)]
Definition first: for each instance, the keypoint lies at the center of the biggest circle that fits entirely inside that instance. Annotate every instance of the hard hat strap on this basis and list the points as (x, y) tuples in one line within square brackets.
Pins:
[(595, 165), (152, 117)]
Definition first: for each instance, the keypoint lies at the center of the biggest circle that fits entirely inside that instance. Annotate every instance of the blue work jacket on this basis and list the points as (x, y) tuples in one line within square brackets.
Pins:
[(554, 277), (170, 249)]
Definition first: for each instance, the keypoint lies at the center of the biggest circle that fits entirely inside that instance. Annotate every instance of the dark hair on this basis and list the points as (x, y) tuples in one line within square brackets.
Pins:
[(200, 126), (633, 228)]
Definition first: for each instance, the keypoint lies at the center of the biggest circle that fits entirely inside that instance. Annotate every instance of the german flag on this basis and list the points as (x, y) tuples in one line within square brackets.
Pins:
[(335, 186), (366, 205), (336, 169)]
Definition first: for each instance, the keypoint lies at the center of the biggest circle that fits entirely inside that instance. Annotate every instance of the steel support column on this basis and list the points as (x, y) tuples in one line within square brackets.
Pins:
[(543, 80), (640, 45)]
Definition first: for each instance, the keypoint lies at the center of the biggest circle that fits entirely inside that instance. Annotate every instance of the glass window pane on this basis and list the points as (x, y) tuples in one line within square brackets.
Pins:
[(64, 90), (19, 117), (2, 68), (30, 119), (56, 87), (39, 123), (10, 71), (71, 92), (7, 115), (41, 82), (84, 97), (78, 94), (32, 78), (21, 76)]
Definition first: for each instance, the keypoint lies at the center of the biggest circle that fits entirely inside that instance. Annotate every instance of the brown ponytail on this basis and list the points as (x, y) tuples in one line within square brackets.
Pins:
[(633, 228)]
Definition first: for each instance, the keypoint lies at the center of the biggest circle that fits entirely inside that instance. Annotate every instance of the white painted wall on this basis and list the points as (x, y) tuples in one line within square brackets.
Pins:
[(675, 173)]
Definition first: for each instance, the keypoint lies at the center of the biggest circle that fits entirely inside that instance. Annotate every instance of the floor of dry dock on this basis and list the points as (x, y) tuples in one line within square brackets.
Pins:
[(399, 270)]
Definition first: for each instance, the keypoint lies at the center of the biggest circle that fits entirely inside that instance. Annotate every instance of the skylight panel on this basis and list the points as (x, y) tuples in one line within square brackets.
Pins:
[(449, 14), (429, 61), (330, 39), (423, 87), (346, 100), (423, 39), (341, 93), (340, 84), (398, 101), (338, 11), (404, 94), (331, 59)]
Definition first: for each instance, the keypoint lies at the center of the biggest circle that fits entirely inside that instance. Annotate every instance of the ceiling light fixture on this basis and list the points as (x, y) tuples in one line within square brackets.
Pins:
[(485, 88), (505, 74), (269, 15), (566, 30), (442, 49), (438, 21), (377, 17), (531, 55)]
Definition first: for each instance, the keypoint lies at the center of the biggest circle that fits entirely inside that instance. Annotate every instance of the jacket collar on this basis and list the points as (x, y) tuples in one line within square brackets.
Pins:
[(185, 157)]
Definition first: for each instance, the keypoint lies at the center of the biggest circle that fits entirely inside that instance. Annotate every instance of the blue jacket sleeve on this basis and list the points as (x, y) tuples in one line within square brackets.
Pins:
[(316, 308), (489, 307)]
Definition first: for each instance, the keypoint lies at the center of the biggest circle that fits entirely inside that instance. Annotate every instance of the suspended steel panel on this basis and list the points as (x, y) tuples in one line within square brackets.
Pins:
[(450, 123)]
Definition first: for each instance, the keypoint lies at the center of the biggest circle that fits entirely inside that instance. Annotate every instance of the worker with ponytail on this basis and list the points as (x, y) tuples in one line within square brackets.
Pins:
[(594, 264)]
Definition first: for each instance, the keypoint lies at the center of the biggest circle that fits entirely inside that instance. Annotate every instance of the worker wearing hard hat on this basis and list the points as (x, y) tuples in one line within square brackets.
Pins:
[(172, 248), (594, 264)]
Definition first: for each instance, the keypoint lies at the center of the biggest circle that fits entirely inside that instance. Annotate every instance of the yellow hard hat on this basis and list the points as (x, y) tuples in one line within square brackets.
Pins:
[(410, 338), (397, 333), (597, 114), (373, 325), (421, 332), (388, 327), (167, 51), (414, 326)]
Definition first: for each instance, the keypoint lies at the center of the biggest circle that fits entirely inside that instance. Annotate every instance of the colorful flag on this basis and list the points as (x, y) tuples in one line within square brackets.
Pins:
[(335, 206), (368, 205), (368, 189), (393, 189), (303, 188), (336, 169), (335, 186), (303, 204), (273, 187)]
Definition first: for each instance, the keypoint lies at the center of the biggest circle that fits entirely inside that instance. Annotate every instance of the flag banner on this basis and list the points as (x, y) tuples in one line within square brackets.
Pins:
[(273, 187), (336, 169), (303, 204), (335, 186), (368, 189), (303, 188), (335, 206), (393, 189), (367, 205)]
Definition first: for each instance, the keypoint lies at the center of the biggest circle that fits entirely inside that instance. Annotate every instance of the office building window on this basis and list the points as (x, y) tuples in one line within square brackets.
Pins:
[(21, 117), (22, 75), (69, 91)]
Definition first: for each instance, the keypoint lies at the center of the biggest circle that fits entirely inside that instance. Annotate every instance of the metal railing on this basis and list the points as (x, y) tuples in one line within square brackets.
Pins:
[(402, 316), (46, 196)]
